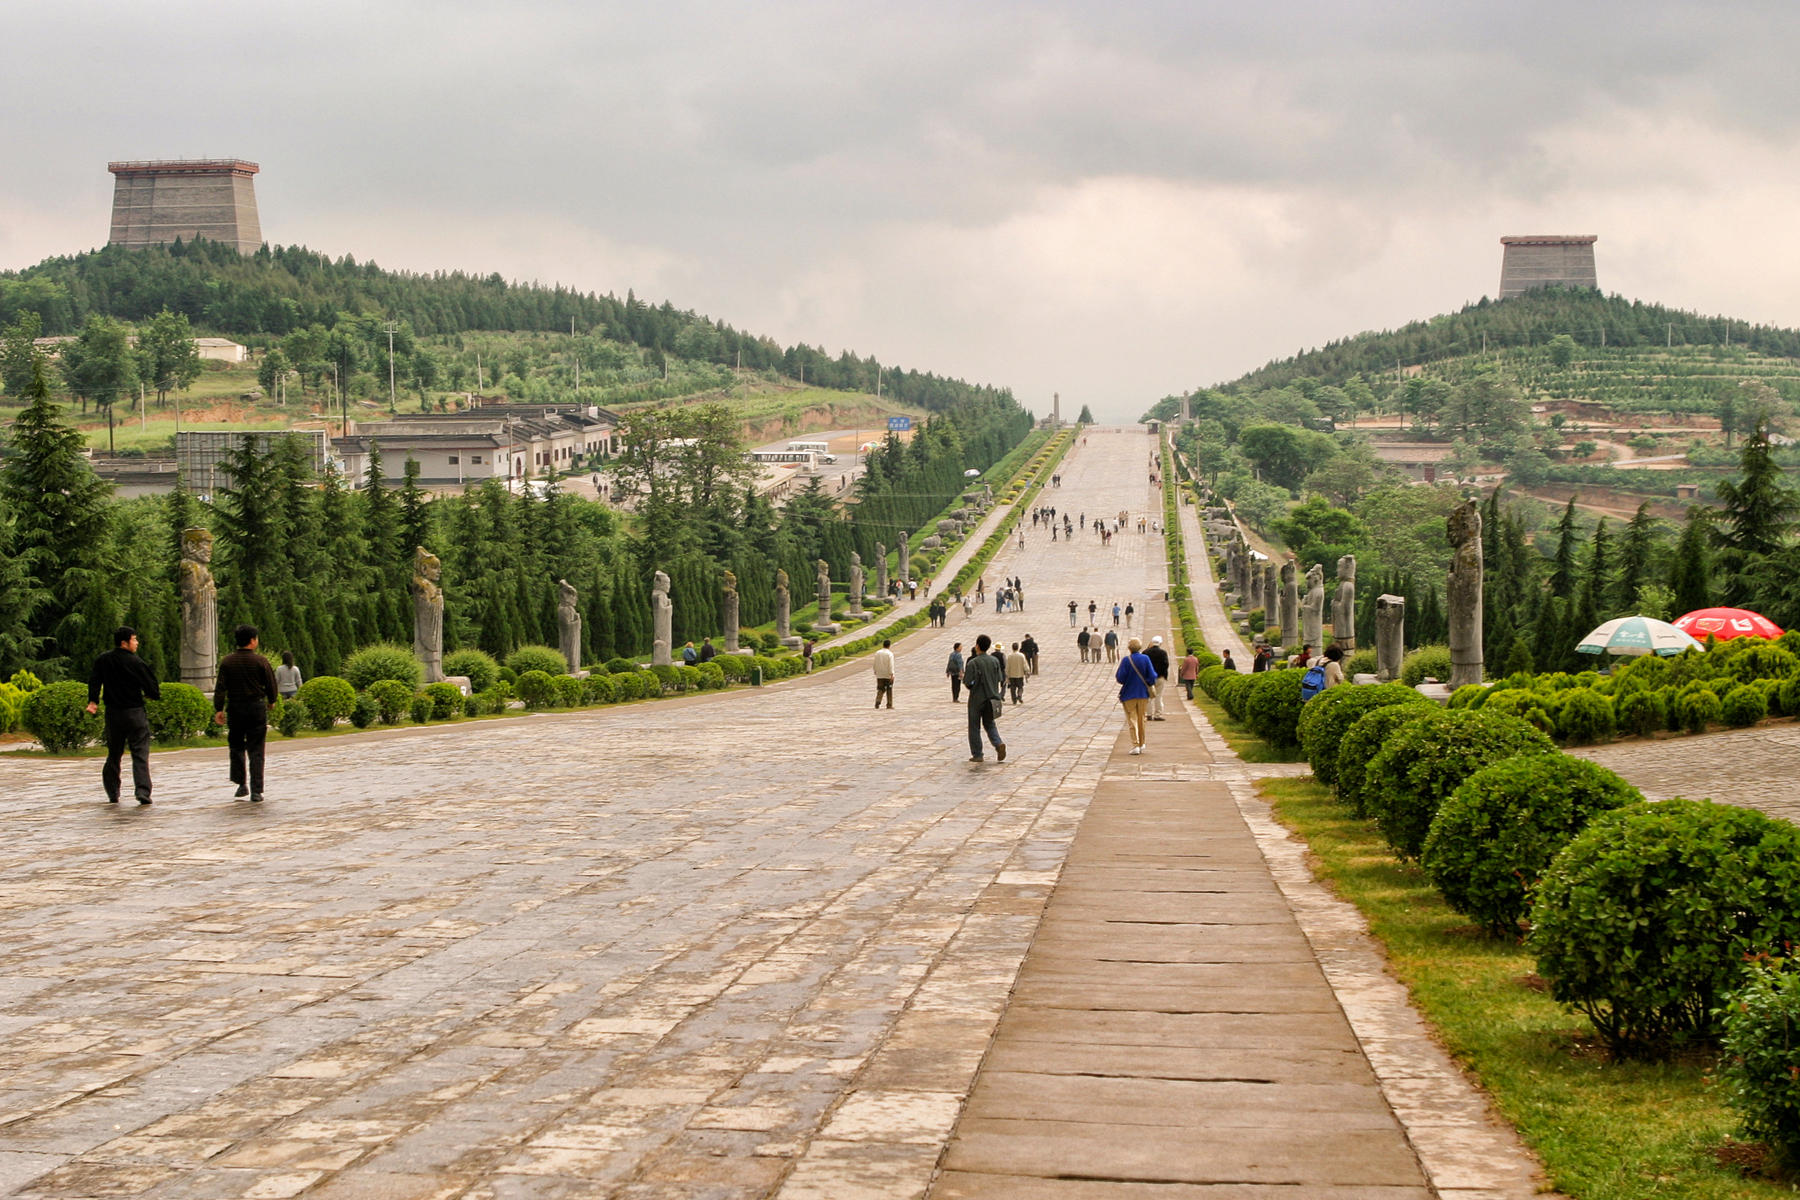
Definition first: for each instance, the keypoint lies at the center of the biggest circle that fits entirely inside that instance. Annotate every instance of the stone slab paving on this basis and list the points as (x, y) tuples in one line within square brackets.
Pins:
[(747, 944), (1756, 768)]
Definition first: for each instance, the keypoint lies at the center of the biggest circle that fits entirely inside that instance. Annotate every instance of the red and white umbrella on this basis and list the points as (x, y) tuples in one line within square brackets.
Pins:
[(1723, 624)]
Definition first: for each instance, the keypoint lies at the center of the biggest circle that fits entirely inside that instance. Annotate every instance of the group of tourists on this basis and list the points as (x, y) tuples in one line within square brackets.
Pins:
[(1097, 647), (245, 688)]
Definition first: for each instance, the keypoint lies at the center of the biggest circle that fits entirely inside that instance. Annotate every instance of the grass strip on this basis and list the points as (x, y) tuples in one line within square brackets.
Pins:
[(1605, 1130)]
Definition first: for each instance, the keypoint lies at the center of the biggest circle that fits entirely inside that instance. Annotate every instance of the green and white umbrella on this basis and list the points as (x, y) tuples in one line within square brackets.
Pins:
[(1637, 635)]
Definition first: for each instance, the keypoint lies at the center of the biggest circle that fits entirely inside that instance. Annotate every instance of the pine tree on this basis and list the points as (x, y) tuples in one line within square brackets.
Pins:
[(1598, 584), (1637, 552), (1563, 577), (60, 523), (20, 599), (1756, 516), (415, 518), (1691, 577)]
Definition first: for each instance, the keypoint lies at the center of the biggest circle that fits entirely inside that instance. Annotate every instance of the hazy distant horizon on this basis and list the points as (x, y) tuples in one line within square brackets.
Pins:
[(1115, 203)]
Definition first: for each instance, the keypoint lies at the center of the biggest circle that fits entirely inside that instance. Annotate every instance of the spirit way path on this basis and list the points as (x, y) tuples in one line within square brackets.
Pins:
[(742, 945), (752, 944)]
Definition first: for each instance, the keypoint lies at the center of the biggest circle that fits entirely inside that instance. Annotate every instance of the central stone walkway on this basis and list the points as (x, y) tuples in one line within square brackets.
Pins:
[(749, 944)]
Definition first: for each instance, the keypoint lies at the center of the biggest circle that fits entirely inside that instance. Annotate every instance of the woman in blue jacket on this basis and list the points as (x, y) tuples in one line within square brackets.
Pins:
[(1135, 676)]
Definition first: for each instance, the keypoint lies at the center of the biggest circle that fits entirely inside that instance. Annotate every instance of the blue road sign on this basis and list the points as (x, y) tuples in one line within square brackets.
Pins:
[(899, 424)]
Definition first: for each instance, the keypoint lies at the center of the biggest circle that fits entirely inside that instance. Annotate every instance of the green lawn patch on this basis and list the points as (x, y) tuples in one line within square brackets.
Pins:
[(1605, 1130)]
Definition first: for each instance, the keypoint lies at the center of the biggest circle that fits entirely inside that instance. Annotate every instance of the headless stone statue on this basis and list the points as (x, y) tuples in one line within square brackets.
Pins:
[(1312, 610), (1344, 610), (1271, 598), (1390, 636), (784, 610), (1463, 588), (730, 606), (199, 611), (568, 624), (428, 613), (662, 621)]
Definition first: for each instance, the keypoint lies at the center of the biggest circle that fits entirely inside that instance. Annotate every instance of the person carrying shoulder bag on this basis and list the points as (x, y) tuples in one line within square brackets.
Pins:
[(984, 678), (1135, 677)]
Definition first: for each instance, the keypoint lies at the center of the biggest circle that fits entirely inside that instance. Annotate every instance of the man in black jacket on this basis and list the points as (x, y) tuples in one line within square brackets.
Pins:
[(1159, 658), (985, 679), (126, 681), (241, 702)]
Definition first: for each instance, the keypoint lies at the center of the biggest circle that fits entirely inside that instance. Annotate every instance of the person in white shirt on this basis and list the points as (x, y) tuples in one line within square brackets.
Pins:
[(1015, 673), (884, 673)]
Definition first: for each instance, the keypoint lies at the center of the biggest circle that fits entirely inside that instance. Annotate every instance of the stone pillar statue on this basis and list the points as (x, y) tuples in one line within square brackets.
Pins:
[(1344, 608), (199, 611), (1390, 636), (731, 613), (903, 564), (823, 622), (1463, 587), (568, 624), (1312, 611), (784, 606), (1254, 599), (1271, 598), (662, 621), (881, 576), (856, 585), (1290, 604), (428, 613)]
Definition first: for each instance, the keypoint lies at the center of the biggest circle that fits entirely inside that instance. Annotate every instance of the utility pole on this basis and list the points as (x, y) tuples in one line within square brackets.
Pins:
[(392, 329)]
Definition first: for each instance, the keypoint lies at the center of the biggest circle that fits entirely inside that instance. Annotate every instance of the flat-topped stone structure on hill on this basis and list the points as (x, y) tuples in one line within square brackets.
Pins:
[(1543, 260), (155, 202)]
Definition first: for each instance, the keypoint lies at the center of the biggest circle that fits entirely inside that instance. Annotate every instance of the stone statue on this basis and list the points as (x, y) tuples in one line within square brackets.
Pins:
[(856, 580), (784, 605), (881, 578), (1344, 608), (730, 606), (568, 624), (1271, 598), (428, 613), (1254, 597), (1463, 588), (1312, 610), (662, 621), (824, 581), (199, 611), (1290, 604), (903, 564), (1390, 636)]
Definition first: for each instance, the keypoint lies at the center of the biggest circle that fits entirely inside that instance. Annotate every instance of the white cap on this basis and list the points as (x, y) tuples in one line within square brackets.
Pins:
[(1156, 641)]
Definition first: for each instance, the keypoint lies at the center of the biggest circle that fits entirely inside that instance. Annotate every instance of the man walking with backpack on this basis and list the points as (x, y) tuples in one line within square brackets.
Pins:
[(1326, 670)]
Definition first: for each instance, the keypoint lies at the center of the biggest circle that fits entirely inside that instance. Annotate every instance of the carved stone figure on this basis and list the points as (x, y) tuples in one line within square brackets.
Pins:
[(1271, 598), (199, 611), (1390, 636), (903, 562), (824, 580), (730, 606), (1290, 603), (1463, 588), (1344, 610), (1254, 597), (784, 606), (881, 576), (856, 587), (568, 624), (662, 621), (1312, 610), (428, 613)]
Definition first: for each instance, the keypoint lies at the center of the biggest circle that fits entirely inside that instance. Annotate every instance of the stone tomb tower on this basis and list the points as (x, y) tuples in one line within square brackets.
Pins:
[(1546, 260), (156, 202)]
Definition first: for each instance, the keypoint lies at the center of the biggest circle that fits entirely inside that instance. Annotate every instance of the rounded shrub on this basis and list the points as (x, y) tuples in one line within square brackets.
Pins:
[(547, 659), (290, 717), (1771, 690), (1427, 759), (569, 692), (392, 699), (472, 705), (1467, 695), (422, 708), (12, 707), (478, 665), (712, 675), (1363, 741), (179, 714), (1498, 831), (689, 677), (1698, 709), (667, 675), (367, 711), (1761, 1063), (1513, 702), (494, 700), (1209, 677), (1641, 713), (620, 666), (446, 700), (1762, 660), (1427, 662), (537, 689), (1328, 716), (1233, 692), (735, 667), (1645, 920), (383, 660), (1743, 705), (1584, 717), (327, 698), (599, 688), (1790, 694), (1360, 662), (56, 715), (1272, 707)]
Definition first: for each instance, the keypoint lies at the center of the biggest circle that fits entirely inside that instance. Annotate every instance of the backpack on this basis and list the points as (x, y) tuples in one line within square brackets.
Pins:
[(1312, 683)]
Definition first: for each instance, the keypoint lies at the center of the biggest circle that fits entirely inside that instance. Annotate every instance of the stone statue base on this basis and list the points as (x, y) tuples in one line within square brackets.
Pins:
[(857, 614), (792, 643), (828, 629), (582, 674), (461, 682), (751, 653)]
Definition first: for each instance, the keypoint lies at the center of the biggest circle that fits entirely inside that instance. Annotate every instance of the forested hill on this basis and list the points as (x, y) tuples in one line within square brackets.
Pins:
[(1588, 317), (286, 288)]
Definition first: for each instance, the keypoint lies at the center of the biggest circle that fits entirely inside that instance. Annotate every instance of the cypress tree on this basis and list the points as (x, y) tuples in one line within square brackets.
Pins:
[(1564, 577), (60, 524), (1637, 550), (1756, 515), (1691, 577)]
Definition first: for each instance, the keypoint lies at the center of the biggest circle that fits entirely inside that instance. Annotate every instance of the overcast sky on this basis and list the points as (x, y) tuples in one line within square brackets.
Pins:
[(1111, 200)]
